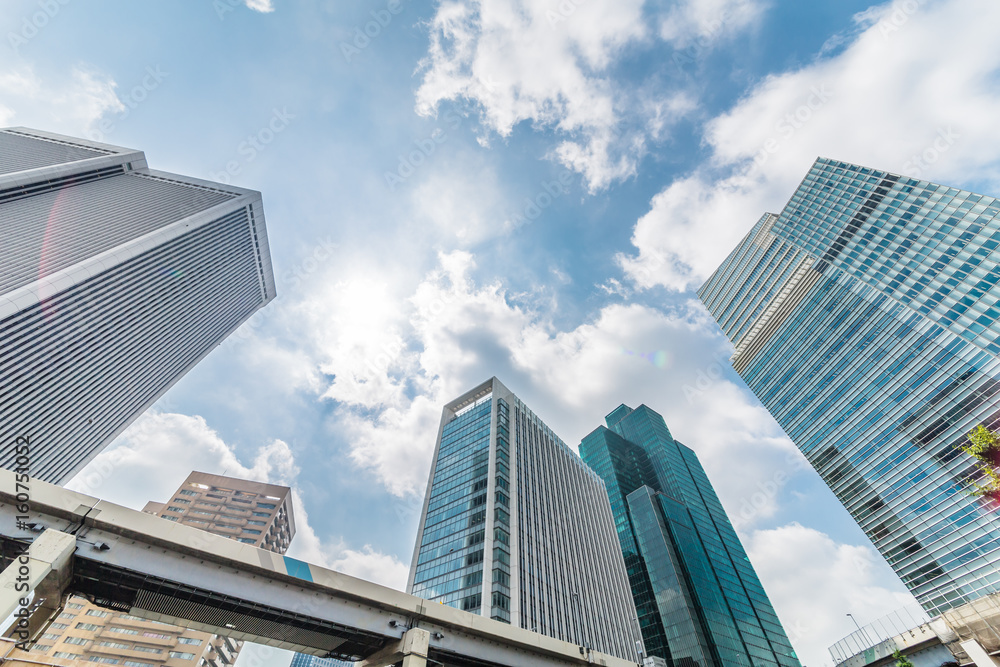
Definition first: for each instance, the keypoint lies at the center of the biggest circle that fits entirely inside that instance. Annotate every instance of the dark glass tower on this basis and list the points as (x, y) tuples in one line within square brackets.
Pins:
[(866, 318), (698, 598)]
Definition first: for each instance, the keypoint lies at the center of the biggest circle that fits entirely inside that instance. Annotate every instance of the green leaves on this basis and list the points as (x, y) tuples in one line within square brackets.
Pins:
[(984, 446)]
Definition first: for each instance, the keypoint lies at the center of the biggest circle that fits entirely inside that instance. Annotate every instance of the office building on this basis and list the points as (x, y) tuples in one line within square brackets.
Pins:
[(115, 280), (305, 660), (517, 528), (698, 598), (250, 512), (864, 317)]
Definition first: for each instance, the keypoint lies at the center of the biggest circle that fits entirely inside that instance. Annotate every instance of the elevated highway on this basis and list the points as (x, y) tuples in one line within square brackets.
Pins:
[(143, 565)]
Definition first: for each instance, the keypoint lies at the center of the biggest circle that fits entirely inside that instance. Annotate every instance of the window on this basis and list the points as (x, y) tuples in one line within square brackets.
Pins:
[(79, 641), (263, 514), (269, 506), (147, 649), (107, 661), (66, 614), (181, 656), (170, 518), (202, 513), (123, 631), (84, 626), (74, 605), (188, 492), (58, 626), (136, 663), (251, 531), (68, 656), (252, 522), (115, 645), (50, 635), (189, 640), (100, 613), (175, 509), (40, 647), (182, 501), (247, 540), (156, 635)]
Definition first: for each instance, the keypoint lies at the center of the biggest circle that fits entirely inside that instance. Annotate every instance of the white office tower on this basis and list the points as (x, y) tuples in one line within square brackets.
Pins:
[(115, 280), (517, 528)]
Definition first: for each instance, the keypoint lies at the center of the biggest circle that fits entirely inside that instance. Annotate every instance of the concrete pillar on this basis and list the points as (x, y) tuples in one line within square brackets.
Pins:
[(47, 566), (411, 649), (978, 654)]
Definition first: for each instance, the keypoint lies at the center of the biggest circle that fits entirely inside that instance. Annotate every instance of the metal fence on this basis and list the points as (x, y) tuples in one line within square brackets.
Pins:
[(879, 630)]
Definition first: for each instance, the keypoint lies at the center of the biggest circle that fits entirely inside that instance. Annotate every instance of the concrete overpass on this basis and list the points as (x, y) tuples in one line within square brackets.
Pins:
[(150, 567)]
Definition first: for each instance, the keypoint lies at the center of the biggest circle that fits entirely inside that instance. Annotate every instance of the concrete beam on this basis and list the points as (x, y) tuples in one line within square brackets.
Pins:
[(46, 570), (978, 654)]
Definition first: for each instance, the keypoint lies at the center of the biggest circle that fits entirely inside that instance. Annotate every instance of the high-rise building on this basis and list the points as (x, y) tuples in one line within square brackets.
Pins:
[(865, 318), (115, 280), (697, 595), (517, 528), (250, 512), (305, 660)]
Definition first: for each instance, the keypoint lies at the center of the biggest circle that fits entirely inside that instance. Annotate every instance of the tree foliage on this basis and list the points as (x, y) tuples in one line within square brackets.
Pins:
[(901, 660), (984, 446)]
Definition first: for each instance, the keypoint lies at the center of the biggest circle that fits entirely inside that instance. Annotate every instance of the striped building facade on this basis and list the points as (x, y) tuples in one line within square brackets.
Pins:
[(866, 318), (115, 280), (517, 528)]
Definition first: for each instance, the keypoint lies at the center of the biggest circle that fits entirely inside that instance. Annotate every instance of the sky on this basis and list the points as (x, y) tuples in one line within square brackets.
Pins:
[(531, 189)]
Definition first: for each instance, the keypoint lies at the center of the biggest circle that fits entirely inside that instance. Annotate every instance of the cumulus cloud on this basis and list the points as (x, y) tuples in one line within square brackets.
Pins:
[(548, 63), (839, 578), (74, 106), (154, 456), (263, 6), (898, 97), (704, 21)]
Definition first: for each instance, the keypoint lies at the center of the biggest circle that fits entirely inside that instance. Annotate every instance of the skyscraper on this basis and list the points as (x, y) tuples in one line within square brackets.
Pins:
[(515, 527), (250, 512), (115, 280), (698, 598), (864, 317)]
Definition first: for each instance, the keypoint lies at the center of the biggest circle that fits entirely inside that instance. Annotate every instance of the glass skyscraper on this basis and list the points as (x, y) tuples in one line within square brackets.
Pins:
[(698, 598), (864, 317), (115, 280), (517, 528)]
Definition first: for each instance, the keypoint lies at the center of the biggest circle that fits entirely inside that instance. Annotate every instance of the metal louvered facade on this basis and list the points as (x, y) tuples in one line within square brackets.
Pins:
[(115, 280), (517, 528), (866, 318)]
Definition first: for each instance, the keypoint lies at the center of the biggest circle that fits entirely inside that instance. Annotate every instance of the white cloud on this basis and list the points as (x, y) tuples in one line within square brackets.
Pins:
[(905, 80), (546, 63), (154, 456), (73, 106), (264, 6), (701, 22), (814, 582)]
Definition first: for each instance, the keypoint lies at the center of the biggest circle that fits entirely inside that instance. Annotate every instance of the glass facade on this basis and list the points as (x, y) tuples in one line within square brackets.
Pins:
[(864, 318), (699, 600), (516, 527)]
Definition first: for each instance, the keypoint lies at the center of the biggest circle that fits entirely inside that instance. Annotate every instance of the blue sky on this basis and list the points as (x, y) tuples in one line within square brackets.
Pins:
[(531, 190)]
